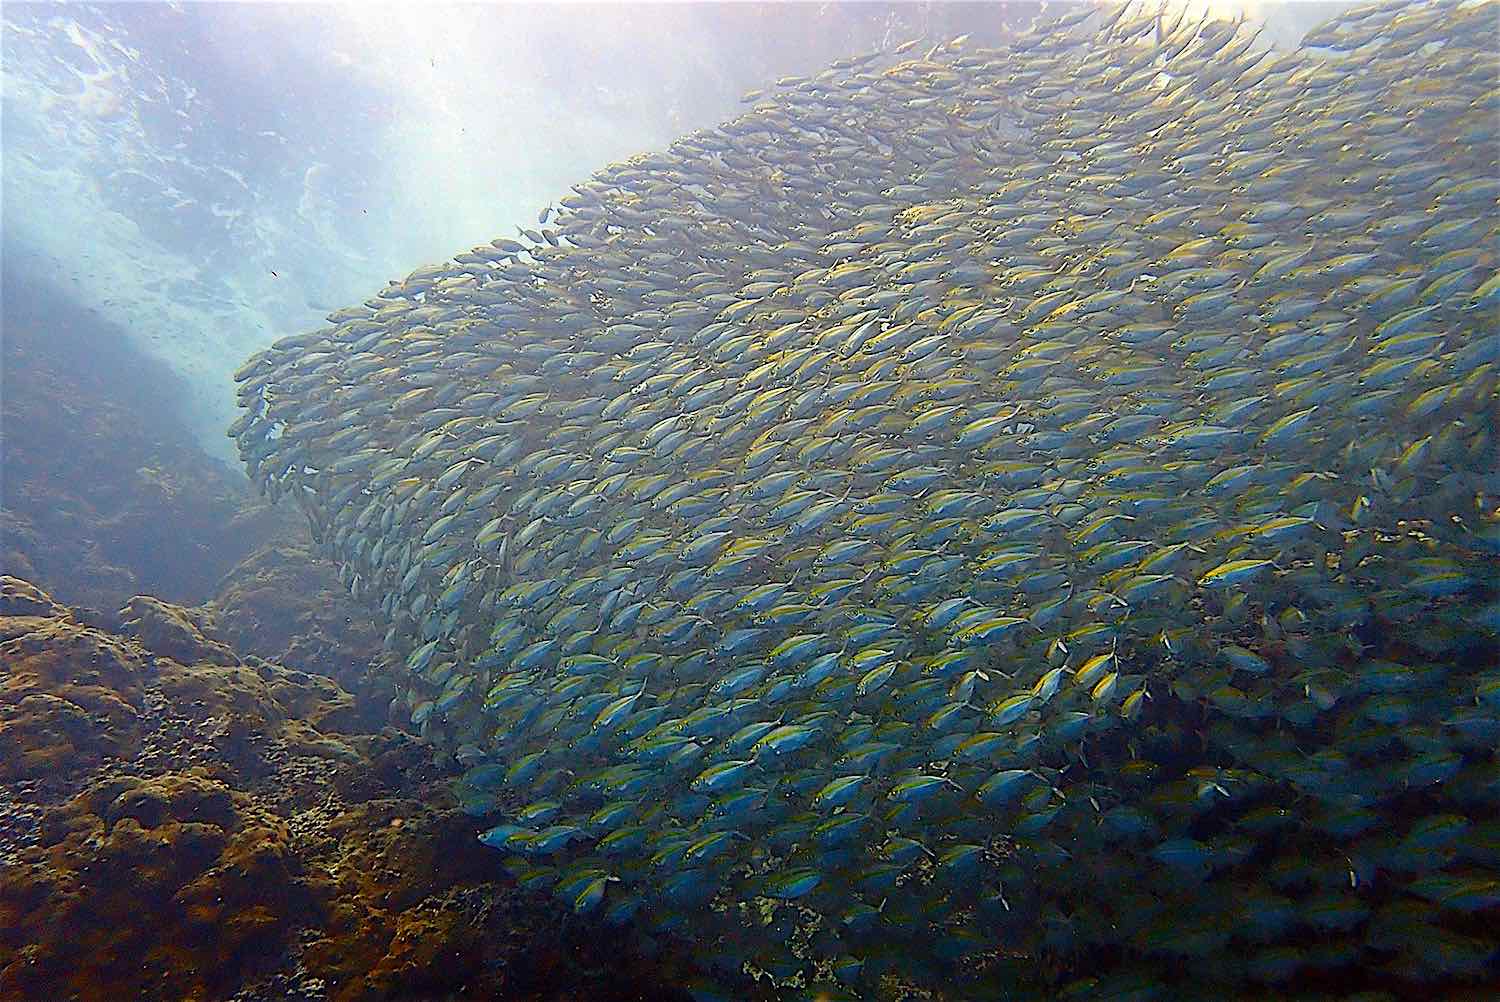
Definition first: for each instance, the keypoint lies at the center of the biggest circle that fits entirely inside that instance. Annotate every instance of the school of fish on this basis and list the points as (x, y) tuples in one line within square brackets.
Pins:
[(1016, 519)]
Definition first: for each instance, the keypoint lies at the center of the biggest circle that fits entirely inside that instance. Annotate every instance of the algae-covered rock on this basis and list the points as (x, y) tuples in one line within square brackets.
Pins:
[(180, 821), (136, 888), (284, 605), (69, 696), (175, 632), (22, 598)]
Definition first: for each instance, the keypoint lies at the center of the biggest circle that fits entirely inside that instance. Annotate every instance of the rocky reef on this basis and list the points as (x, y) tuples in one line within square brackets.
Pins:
[(282, 604), (106, 492), (182, 820)]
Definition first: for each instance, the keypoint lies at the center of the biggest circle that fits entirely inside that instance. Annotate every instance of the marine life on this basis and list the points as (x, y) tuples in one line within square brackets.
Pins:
[(1066, 459)]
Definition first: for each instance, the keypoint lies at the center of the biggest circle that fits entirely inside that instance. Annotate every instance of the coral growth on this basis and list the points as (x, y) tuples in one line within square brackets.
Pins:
[(181, 821)]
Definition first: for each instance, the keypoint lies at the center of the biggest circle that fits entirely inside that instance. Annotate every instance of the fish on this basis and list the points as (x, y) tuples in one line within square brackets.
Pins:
[(981, 500)]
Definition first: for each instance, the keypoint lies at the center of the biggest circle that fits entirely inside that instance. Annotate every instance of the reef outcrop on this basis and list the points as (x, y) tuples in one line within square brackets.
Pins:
[(107, 491), (181, 820), (284, 605)]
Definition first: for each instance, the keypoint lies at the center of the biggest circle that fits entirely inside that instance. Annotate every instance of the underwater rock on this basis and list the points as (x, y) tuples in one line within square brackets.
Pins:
[(175, 632), (211, 868), (275, 846), (22, 598), (69, 697), (107, 492), (282, 605)]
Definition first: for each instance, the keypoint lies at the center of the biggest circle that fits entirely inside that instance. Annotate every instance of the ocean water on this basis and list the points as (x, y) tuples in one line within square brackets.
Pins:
[(218, 175), (1006, 507)]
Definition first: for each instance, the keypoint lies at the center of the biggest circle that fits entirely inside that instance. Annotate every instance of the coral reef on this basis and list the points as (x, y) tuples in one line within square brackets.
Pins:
[(179, 820)]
